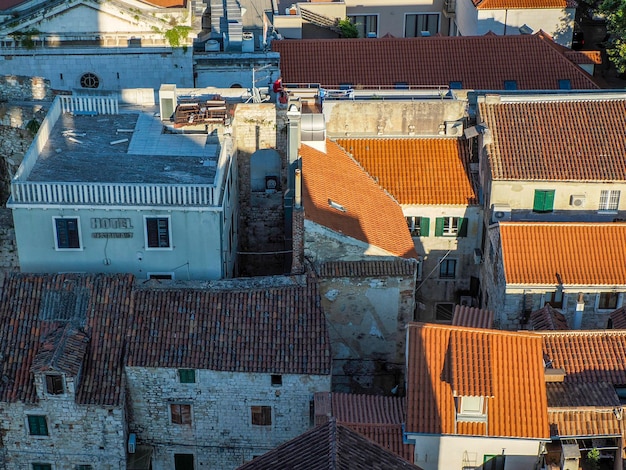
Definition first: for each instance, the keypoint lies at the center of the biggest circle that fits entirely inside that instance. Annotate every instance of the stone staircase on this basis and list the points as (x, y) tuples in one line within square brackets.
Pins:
[(320, 20)]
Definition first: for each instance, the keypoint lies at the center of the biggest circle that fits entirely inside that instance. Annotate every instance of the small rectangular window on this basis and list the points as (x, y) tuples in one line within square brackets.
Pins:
[(510, 84), (42, 466), (158, 232), (451, 227), (187, 376), (54, 384), (181, 414), (277, 380), (37, 425), (565, 84), (607, 300), (67, 233), (444, 312), (456, 85), (609, 200), (418, 226), (366, 25), (544, 200), (421, 24), (83, 467), (447, 269), (261, 415)]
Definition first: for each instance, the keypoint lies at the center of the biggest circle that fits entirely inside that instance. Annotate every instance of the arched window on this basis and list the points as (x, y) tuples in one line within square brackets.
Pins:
[(89, 80)]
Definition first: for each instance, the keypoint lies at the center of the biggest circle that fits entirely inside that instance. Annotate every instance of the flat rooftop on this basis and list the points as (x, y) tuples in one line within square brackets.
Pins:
[(93, 149)]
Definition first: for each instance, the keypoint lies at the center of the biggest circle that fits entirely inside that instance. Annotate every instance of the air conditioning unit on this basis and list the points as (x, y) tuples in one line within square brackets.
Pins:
[(577, 200), (454, 128), (466, 301), (478, 256), (132, 443), (500, 213)]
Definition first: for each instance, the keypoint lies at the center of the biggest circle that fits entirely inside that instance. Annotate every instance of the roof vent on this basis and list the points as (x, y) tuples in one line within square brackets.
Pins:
[(336, 205)]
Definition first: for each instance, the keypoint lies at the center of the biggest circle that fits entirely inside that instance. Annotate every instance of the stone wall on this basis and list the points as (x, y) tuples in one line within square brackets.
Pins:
[(24, 88), (220, 434), (262, 226)]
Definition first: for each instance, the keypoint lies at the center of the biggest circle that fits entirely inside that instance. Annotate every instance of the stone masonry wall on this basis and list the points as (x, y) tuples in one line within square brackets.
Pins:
[(262, 227), (24, 88), (221, 434)]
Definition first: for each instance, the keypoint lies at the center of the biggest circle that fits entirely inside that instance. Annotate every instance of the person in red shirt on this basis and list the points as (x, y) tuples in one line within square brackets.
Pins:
[(278, 85)]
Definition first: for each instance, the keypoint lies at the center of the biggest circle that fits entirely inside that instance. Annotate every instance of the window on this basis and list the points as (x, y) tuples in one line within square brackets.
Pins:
[(161, 276), (261, 415), (418, 226), (158, 232), (607, 300), (456, 85), (187, 376), (447, 269), (565, 85), (42, 466), (54, 384), (366, 25), (451, 227), (67, 233), (83, 467), (277, 380), (89, 80), (510, 84), (183, 461), (416, 25), (609, 200), (544, 200), (555, 299), (181, 414), (37, 425), (471, 405), (444, 312)]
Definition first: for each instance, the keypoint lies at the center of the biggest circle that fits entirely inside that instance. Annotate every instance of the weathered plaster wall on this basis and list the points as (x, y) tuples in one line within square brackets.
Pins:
[(221, 434)]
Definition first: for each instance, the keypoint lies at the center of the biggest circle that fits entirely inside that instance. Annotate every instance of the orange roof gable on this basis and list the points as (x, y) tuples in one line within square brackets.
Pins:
[(523, 4), (483, 362), (368, 214), (581, 253), (417, 171), (478, 62), (557, 140)]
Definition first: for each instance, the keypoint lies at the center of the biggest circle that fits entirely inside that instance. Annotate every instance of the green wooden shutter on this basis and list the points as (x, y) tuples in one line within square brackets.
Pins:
[(540, 197), (439, 227), (424, 227), (544, 200), (462, 231), (548, 204)]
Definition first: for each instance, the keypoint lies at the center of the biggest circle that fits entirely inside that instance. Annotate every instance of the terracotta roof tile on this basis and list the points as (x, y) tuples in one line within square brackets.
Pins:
[(523, 4), (557, 141), (480, 62), (62, 350), (330, 446), (280, 329), (548, 318), (370, 215), (38, 306), (395, 267), (583, 423), (579, 394), (472, 317), (618, 318), (582, 253), (440, 165), (517, 407), (587, 356), (379, 418)]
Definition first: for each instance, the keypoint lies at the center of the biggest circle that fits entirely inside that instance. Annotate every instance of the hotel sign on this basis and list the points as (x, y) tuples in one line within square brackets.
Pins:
[(114, 223)]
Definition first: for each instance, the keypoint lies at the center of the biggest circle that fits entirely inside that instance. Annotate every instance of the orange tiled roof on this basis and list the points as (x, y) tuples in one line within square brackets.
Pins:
[(370, 216), (582, 253), (485, 362), (558, 140), (548, 318), (478, 62), (587, 356), (523, 4), (472, 317), (583, 423), (417, 171)]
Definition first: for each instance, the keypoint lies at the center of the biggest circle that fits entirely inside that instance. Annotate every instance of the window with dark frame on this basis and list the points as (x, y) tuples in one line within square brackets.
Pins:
[(54, 384), (67, 235), (181, 413), (418, 226), (187, 376), (42, 466), (261, 415), (417, 23), (83, 467), (89, 80), (158, 231), (444, 312), (608, 300), (447, 269), (365, 24), (37, 425), (451, 227), (277, 380)]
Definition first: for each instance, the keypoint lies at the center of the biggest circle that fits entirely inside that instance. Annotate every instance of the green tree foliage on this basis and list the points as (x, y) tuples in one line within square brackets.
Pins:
[(615, 13), (348, 29)]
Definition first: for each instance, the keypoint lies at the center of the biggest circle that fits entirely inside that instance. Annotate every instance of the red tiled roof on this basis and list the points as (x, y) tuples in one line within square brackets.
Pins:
[(34, 306), (484, 362), (580, 394), (330, 446), (370, 215), (618, 318), (579, 140), (6, 4), (417, 171), (62, 350), (548, 318), (478, 62), (395, 267), (587, 356), (472, 317), (278, 330), (581, 253), (523, 4), (583, 423)]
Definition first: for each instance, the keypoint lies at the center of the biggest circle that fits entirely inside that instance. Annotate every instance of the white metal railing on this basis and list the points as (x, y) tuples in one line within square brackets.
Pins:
[(114, 194), (96, 104)]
